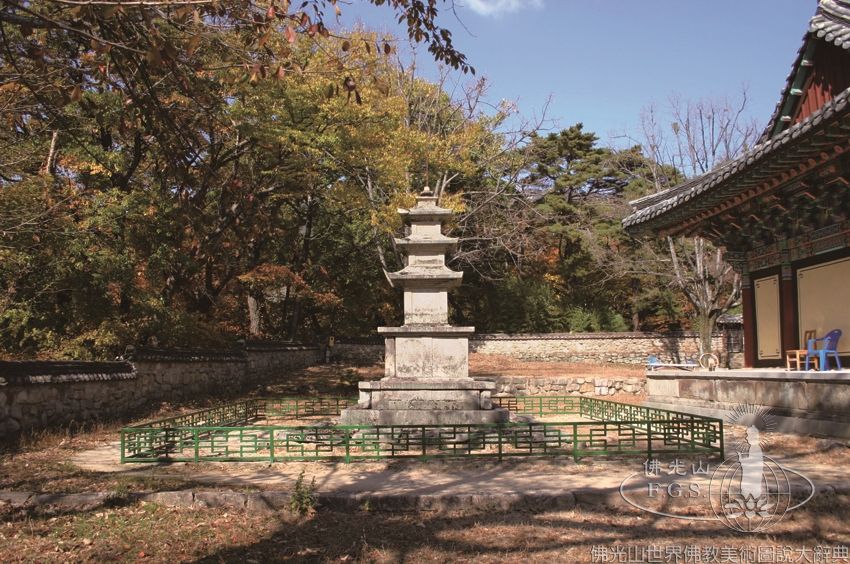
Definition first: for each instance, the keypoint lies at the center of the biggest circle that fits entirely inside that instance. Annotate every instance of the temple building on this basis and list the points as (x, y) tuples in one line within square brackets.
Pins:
[(782, 210)]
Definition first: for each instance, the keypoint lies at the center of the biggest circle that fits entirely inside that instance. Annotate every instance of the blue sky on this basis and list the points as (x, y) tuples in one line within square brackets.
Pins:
[(603, 60)]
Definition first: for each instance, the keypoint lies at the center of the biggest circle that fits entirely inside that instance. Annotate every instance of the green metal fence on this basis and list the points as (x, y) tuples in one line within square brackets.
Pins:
[(294, 408), (239, 413), (617, 429), (541, 405)]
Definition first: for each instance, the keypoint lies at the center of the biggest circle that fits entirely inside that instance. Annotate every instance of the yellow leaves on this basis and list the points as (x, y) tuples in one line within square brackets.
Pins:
[(386, 218), (453, 202), (83, 167), (179, 99), (403, 131), (554, 280)]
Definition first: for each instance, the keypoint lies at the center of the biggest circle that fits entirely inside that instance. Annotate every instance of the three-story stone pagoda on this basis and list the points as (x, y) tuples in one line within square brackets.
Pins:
[(426, 360)]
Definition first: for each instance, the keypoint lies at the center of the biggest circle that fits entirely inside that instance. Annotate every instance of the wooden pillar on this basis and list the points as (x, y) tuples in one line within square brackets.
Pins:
[(749, 306), (788, 310)]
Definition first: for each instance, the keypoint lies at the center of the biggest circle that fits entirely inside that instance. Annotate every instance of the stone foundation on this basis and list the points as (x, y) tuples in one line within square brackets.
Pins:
[(424, 401), (388, 417), (802, 402)]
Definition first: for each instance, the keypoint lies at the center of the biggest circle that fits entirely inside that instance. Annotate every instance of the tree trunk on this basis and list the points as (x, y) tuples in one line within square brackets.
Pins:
[(303, 261), (253, 316), (294, 321), (50, 164), (705, 327)]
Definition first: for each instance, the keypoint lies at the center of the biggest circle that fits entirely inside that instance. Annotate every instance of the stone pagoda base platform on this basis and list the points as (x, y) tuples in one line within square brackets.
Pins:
[(424, 401)]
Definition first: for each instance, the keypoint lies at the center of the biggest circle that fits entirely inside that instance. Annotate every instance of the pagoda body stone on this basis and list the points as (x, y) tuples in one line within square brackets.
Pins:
[(426, 374)]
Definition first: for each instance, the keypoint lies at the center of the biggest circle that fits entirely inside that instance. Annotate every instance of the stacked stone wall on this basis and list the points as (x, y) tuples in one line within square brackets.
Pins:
[(42, 394), (266, 362), (358, 352), (621, 348), (568, 386)]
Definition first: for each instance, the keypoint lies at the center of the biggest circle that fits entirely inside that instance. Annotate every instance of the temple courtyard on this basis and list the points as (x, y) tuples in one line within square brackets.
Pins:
[(89, 506)]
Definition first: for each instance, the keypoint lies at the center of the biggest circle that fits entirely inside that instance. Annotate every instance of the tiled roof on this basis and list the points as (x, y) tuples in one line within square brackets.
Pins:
[(45, 372), (831, 23), (651, 207), (151, 354), (731, 319)]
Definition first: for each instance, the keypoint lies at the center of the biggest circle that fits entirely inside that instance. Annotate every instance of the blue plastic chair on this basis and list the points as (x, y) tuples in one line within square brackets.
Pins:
[(830, 347)]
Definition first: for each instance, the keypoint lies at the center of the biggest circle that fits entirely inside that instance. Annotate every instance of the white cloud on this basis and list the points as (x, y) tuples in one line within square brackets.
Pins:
[(499, 7)]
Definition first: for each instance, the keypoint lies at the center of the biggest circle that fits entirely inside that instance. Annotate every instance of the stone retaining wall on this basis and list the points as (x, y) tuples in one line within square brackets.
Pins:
[(43, 394), (624, 348), (800, 402), (567, 386)]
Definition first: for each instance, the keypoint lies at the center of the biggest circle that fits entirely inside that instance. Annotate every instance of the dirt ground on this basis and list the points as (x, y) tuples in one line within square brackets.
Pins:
[(482, 365), (148, 532), (40, 461)]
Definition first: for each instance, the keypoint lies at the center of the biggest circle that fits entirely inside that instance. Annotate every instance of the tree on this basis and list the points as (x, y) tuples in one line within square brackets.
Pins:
[(564, 277), (263, 232), (356, 160), (137, 194), (705, 134), (708, 282)]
